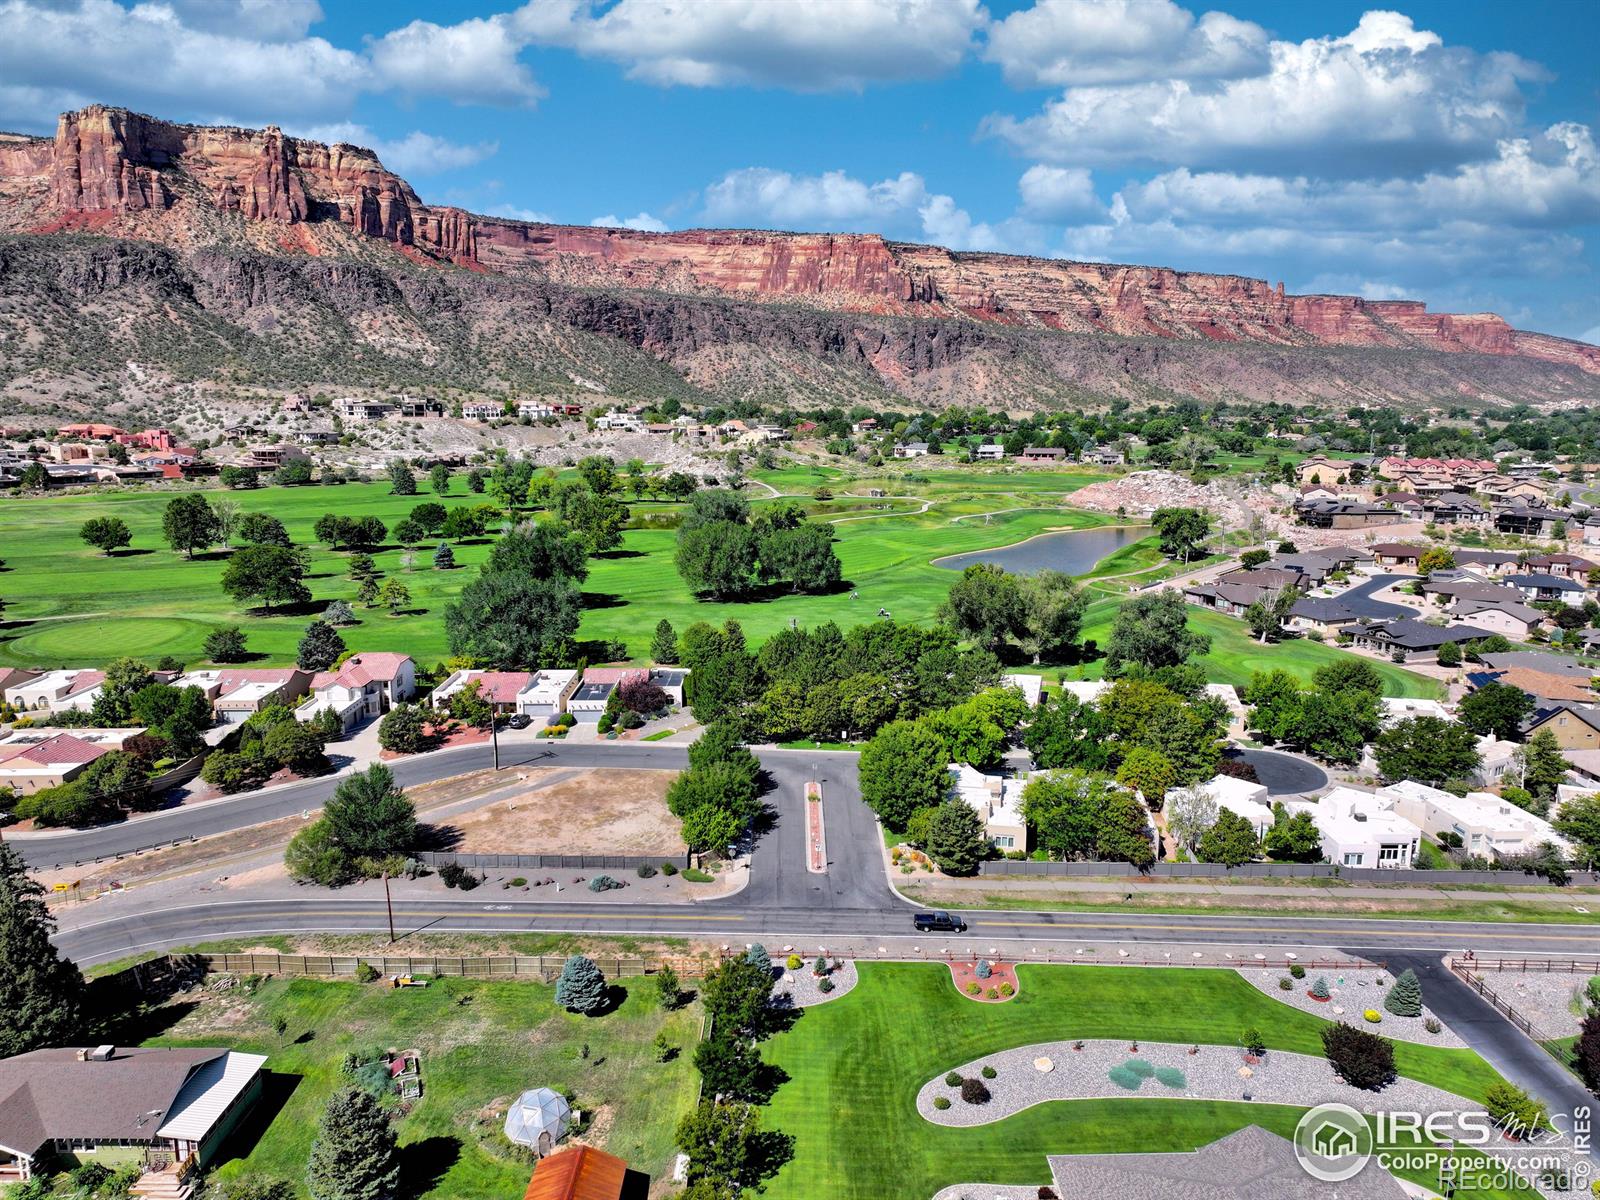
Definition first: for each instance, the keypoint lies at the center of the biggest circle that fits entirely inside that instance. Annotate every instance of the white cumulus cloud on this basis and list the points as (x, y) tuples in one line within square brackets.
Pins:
[(417, 153), (472, 62), (642, 221)]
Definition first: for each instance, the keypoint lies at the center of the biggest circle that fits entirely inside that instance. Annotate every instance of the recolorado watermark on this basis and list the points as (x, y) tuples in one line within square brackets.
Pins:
[(1335, 1142)]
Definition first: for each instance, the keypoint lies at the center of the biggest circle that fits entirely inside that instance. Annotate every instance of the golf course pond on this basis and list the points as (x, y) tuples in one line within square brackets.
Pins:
[(1075, 551)]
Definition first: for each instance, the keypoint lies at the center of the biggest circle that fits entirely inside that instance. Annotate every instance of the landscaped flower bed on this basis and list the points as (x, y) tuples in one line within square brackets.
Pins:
[(987, 980)]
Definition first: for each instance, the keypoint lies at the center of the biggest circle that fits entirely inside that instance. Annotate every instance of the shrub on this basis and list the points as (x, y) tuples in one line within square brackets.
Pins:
[(820, 968), (1296, 970), (518, 881), (794, 962), (1125, 1078), (941, 1102), (454, 875), (1405, 997), (644, 871), (1513, 1109), (1592, 991), (694, 875), (669, 869), (1372, 1016), (1361, 1059), (366, 972), (604, 883), (1285, 984), (1319, 989), (1140, 1067), (824, 986), (953, 1079), (984, 969), (1171, 1077), (1007, 990), (1431, 1025), (993, 993), (974, 1091), (987, 1072), (974, 988)]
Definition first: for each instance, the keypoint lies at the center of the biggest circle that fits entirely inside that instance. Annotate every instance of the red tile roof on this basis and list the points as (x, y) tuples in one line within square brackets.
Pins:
[(61, 750), (361, 670)]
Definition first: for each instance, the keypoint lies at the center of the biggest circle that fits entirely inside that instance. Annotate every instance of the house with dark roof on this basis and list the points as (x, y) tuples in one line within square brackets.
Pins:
[(1529, 520), (1538, 660), (1321, 615), (1413, 639), (1345, 514), (1574, 726), (242, 693), (1397, 554), (1548, 587), (1567, 566), (1225, 597), (165, 1109), (1453, 508)]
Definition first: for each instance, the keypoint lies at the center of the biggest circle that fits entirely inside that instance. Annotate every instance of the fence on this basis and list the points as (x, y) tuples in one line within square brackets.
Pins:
[(1536, 966), (182, 773), (1464, 973), (1122, 870), (537, 862)]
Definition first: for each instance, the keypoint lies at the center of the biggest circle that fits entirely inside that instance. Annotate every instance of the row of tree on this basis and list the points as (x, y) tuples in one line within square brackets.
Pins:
[(723, 552)]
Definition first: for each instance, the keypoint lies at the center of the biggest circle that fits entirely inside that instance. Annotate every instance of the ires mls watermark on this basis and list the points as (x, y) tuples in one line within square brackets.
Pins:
[(1334, 1143)]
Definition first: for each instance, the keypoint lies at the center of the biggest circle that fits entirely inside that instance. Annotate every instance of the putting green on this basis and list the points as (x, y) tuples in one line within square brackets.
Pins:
[(99, 639)]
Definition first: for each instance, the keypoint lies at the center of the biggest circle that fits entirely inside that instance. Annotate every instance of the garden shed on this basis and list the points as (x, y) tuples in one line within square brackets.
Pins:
[(538, 1119)]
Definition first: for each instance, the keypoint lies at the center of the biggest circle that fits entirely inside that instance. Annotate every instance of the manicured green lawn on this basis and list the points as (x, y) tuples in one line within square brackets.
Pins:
[(855, 1065), (480, 1042)]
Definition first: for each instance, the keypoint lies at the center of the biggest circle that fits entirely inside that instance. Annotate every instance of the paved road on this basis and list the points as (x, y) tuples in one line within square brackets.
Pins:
[(1284, 774), (1359, 598)]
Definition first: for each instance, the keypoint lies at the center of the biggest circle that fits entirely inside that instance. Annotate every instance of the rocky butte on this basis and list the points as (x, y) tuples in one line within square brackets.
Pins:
[(121, 174)]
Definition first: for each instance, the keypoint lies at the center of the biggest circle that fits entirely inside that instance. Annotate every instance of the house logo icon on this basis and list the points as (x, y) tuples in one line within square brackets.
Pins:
[(1333, 1142)]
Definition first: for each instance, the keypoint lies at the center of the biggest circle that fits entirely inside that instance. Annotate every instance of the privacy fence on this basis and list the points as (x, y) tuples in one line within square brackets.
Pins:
[(1122, 870), (548, 862)]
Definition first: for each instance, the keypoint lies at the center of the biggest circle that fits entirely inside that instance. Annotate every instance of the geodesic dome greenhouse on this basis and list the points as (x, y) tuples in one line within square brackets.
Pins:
[(538, 1118)]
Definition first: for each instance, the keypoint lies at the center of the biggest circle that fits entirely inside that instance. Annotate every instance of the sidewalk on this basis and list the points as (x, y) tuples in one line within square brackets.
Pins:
[(1182, 889)]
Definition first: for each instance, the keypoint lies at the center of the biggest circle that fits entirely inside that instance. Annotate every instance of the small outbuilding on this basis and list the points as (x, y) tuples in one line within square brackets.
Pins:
[(578, 1173), (538, 1119)]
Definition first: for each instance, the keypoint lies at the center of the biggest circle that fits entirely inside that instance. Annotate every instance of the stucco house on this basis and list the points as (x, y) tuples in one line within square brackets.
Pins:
[(1359, 829), (240, 694), (997, 800), (363, 687)]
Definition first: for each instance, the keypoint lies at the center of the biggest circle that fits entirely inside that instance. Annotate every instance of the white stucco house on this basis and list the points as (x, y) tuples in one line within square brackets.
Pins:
[(1361, 829)]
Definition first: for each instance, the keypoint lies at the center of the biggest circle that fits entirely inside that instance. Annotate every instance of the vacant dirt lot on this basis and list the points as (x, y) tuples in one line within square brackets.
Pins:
[(585, 812)]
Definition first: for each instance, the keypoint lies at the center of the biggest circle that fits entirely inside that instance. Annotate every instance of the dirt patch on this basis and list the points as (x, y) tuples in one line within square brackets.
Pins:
[(594, 812)]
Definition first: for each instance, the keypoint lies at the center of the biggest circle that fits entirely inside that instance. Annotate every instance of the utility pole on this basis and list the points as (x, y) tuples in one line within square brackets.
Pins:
[(494, 736), (388, 901)]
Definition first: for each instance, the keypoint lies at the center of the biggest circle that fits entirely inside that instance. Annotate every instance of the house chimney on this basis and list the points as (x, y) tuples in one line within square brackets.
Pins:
[(102, 1053)]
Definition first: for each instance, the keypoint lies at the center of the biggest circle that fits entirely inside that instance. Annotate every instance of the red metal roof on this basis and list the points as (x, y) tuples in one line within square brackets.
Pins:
[(577, 1173)]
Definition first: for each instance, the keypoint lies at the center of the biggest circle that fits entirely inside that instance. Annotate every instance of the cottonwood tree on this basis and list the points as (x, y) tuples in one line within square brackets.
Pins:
[(1181, 530), (984, 604), (955, 838), (274, 573), (1230, 840), (512, 621), (106, 534), (189, 523), (40, 992), (1152, 631), (903, 768)]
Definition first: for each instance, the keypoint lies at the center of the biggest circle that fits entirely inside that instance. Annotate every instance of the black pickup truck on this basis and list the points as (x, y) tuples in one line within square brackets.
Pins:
[(938, 922)]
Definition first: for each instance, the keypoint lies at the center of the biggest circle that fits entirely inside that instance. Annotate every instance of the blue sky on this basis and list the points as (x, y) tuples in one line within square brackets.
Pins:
[(1440, 151)]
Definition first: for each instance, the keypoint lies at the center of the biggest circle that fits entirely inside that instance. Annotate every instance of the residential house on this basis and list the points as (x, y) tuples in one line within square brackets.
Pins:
[(1449, 587), (865, 425), (989, 452), (1413, 638), (910, 449), (579, 1173), (1591, 530), (166, 1109), (499, 688), (1320, 615), (589, 700), (55, 691), (411, 407), (364, 686), (242, 693), (1269, 576), (1510, 619), (1392, 709), (1249, 1164), (93, 430), (1317, 491), (482, 410), (623, 422), (1085, 691), (14, 677), (546, 693), (1529, 520), (998, 800), (1487, 825), (1346, 514), (1225, 597), (33, 766), (1493, 562), (352, 409), (1359, 829), (1041, 456), (1319, 468), (1240, 797), (1538, 660), (1397, 555), (1575, 726), (670, 680), (1566, 566), (1105, 456), (1454, 509), (1535, 588), (1031, 687)]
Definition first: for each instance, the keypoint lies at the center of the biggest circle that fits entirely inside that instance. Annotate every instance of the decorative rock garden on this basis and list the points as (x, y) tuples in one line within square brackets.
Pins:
[(1095, 1070), (1352, 995), (802, 987), (987, 980), (1555, 1003)]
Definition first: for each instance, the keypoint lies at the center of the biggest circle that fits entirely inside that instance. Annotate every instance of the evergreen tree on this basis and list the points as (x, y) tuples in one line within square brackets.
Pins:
[(320, 648), (339, 613), (757, 956), (955, 838), (1543, 767), (402, 481), (444, 558), (225, 645), (354, 1156), (370, 816), (581, 988), (1405, 996), (40, 991), (664, 645)]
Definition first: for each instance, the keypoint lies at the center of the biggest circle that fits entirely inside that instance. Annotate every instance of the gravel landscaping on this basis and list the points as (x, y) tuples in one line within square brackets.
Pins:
[(1350, 994), (1545, 999), (798, 989), (989, 1191), (1210, 1074)]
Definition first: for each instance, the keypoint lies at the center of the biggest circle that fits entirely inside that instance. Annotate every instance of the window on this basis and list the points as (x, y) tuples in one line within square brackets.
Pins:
[(1353, 860), (1004, 842)]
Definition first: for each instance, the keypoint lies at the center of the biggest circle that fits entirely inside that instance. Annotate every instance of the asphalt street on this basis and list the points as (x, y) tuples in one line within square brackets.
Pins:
[(1283, 774), (1359, 598)]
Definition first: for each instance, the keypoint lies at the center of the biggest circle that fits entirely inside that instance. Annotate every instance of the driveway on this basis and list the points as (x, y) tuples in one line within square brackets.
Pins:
[(1359, 599), (1284, 774)]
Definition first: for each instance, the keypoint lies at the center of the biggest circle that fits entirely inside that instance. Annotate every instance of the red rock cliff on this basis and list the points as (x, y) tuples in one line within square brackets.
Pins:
[(120, 172)]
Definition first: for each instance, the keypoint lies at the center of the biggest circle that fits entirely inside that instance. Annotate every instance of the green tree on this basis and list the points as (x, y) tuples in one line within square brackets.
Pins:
[(124, 679), (230, 773), (1361, 1059), (106, 533), (121, 779), (1404, 997), (1052, 615), (1064, 810), (402, 481), (1544, 767), (717, 558), (804, 556), (320, 648), (542, 550), (1067, 733), (664, 644), (582, 986), (1429, 750), (40, 992), (444, 558), (274, 573), (955, 838), (1578, 820), (599, 473), (1496, 708), (430, 515), (439, 480), (1292, 837), (598, 520), (1449, 654), (34, 477), (903, 768), (225, 645), (409, 533), (729, 1154), (1122, 832), (1148, 772), (296, 747), (1266, 616), (262, 529), (984, 604), (189, 523), (1152, 631), (710, 830), (1230, 840), (354, 1155), (1435, 558), (404, 730), (1181, 530), (1348, 674), (395, 596), (511, 621), (370, 816)]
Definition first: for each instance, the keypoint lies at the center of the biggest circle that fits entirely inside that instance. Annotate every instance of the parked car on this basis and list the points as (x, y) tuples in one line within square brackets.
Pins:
[(938, 922), (519, 720)]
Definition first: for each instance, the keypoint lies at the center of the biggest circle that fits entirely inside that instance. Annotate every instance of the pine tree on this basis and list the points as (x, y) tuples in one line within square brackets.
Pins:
[(664, 646), (444, 558), (320, 648), (39, 990), (339, 613), (354, 1155), (1319, 988), (757, 956), (1405, 997), (581, 988)]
